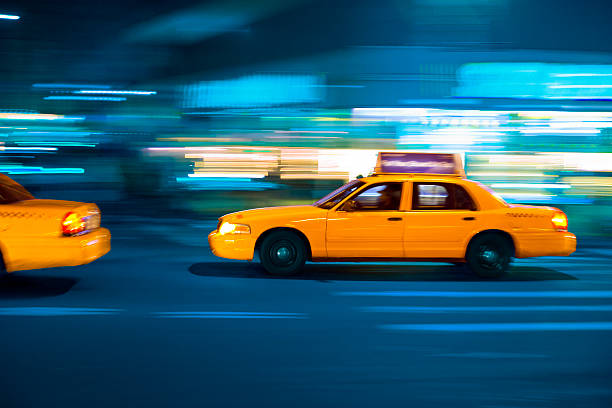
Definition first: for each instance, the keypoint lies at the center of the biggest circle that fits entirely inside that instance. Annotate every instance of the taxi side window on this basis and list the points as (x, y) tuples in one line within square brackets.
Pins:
[(441, 196), (11, 192), (379, 197)]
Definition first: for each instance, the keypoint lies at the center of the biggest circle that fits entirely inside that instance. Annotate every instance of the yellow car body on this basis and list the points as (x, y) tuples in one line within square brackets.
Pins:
[(37, 233), (406, 233)]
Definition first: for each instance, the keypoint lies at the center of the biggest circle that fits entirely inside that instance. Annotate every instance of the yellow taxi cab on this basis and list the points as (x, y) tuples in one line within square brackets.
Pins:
[(415, 207), (37, 233)]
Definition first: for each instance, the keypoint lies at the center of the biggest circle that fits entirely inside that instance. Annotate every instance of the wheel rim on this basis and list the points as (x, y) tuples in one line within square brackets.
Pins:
[(490, 257), (282, 253)]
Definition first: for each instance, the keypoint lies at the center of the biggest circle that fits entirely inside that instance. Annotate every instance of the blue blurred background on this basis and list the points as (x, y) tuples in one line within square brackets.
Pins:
[(204, 107)]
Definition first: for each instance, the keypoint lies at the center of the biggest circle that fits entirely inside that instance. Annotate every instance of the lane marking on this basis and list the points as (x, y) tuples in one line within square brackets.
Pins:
[(56, 311), (490, 354), (228, 315), (469, 309), (501, 327), (484, 294), (544, 260)]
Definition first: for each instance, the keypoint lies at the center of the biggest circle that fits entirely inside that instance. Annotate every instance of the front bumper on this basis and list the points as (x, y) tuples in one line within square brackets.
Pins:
[(546, 244), (232, 246)]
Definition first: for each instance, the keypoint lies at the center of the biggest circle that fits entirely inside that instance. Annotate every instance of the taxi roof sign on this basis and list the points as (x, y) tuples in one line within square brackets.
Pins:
[(448, 164)]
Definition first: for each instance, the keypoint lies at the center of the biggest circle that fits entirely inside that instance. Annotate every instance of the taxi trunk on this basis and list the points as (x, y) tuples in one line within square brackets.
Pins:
[(39, 233)]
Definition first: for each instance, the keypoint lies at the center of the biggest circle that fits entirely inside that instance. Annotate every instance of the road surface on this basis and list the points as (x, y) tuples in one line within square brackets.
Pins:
[(161, 322)]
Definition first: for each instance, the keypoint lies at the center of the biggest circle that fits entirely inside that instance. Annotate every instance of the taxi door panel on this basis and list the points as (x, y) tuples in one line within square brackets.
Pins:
[(438, 234), (361, 234), (441, 218)]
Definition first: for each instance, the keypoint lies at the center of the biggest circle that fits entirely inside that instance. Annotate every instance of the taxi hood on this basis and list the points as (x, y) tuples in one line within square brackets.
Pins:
[(295, 212)]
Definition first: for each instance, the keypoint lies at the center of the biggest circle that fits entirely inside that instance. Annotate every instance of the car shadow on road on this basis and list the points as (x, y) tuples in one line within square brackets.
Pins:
[(370, 272), (20, 286)]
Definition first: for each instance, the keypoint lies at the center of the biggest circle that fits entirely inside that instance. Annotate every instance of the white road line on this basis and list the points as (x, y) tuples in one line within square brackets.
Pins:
[(544, 260), (469, 309), (576, 294), (228, 315), (490, 355), (501, 327), (56, 311)]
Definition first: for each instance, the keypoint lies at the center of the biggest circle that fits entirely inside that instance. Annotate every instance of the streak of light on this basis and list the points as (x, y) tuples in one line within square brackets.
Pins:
[(85, 98), (115, 92), (69, 86), (228, 175), (534, 185)]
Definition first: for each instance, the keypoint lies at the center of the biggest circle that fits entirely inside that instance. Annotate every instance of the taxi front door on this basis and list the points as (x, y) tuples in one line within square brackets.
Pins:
[(366, 226)]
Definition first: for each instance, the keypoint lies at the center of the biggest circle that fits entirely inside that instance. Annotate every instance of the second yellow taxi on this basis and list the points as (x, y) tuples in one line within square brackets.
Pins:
[(36, 233)]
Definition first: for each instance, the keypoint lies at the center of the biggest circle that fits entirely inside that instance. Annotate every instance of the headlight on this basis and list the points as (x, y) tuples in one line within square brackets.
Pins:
[(229, 228)]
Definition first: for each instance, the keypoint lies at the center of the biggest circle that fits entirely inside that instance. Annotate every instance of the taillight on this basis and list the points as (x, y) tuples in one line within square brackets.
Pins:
[(73, 224), (559, 221)]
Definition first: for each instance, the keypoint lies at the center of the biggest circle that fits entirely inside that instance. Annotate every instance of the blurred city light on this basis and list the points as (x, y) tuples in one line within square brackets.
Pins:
[(9, 17), (164, 108)]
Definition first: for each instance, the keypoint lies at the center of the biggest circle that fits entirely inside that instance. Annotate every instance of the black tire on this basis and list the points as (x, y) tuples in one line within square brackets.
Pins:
[(282, 253), (3, 272), (489, 255)]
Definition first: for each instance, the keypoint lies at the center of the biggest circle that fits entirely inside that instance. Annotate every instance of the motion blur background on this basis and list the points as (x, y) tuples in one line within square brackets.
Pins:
[(199, 108)]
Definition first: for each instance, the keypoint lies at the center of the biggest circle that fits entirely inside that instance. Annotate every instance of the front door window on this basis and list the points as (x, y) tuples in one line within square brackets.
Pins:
[(379, 197)]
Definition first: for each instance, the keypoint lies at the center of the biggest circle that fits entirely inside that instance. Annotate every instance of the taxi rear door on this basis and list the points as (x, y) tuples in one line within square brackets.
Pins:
[(441, 218), (369, 224)]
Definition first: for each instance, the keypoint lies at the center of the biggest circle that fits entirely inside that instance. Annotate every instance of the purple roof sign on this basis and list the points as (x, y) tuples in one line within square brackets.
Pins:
[(429, 163)]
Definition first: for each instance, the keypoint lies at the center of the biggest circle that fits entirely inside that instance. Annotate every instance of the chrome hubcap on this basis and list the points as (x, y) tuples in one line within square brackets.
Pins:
[(489, 256), (283, 253)]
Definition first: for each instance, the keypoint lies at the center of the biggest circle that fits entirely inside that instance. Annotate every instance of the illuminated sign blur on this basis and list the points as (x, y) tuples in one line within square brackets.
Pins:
[(429, 163), (534, 81), (254, 91)]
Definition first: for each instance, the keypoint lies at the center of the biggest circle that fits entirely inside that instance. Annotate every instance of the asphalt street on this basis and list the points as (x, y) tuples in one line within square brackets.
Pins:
[(161, 322)]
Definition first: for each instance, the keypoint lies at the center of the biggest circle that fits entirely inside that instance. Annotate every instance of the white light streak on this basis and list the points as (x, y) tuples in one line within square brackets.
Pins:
[(113, 92), (85, 98), (599, 86), (529, 185), (228, 175)]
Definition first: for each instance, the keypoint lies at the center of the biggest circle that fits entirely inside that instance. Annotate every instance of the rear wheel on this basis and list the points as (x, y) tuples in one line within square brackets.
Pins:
[(488, 255), (282, 253)]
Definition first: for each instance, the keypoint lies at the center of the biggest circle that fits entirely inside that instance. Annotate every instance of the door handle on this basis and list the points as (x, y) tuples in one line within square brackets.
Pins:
[(469, 218), (394, 218)]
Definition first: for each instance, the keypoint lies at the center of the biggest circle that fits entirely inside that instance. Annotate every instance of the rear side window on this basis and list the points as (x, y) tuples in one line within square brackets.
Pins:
[(11, 192), (441, 196)]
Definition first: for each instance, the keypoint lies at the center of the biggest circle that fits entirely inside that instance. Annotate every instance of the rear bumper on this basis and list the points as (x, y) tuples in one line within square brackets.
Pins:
[(53, 252), (545, 244), (232, 246)]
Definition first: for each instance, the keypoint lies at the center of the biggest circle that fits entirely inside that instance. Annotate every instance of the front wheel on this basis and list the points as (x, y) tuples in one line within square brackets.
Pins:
[(488, 255), (282, 253)]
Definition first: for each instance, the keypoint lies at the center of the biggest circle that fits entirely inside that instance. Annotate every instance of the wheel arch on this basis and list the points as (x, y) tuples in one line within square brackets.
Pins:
[(506, 235), (296, 231)]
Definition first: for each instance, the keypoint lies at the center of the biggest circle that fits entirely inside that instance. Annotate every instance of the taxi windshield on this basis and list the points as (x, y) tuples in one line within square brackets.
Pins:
[(338, 194), (11, 192)]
